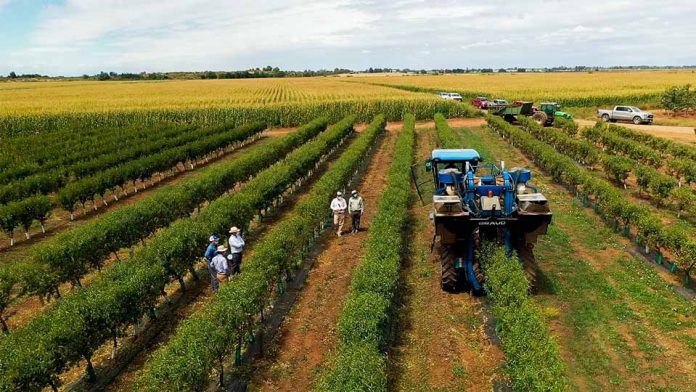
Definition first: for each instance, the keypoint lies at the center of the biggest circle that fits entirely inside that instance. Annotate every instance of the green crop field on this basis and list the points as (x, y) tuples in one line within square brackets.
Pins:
[(110, 190)]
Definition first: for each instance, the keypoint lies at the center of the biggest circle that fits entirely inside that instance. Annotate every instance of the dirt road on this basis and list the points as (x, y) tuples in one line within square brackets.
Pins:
[(678, 134), (308, 333)]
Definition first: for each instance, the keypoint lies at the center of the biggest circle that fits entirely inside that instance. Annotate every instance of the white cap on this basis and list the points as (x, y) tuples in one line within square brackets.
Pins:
[(214, 238), (339, 193), (354, 192)]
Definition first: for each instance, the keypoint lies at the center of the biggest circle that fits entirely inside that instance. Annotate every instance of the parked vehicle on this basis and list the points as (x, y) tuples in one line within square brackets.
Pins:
[(546, 113), (479, 102), (626, 113), (450, 96), (496, 103), (510, 112)]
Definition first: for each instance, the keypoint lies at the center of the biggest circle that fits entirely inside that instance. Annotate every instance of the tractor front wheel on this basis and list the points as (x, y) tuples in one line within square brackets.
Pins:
[(448, 277), (540, 118)]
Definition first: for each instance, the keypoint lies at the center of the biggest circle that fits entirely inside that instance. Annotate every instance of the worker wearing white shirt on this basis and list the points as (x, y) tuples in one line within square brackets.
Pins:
[(220, 266), (338, 206), (236, 250)]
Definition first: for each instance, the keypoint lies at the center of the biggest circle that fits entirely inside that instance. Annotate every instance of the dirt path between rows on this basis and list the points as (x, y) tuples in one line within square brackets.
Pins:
[(308, 333), (445, 341), (678, 134)]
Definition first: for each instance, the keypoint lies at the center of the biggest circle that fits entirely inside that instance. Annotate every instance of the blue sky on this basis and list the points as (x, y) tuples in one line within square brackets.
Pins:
[(72, 37)]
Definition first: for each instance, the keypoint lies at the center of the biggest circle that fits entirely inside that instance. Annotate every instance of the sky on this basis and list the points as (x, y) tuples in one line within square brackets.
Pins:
[(73, 37)]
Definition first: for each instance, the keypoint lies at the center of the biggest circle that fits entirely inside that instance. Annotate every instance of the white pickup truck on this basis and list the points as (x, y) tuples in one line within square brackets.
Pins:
[(626, 113), (450, 96)]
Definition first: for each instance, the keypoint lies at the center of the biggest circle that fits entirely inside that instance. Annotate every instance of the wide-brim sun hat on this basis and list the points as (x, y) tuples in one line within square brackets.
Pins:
[(221, 248), (234, 229)]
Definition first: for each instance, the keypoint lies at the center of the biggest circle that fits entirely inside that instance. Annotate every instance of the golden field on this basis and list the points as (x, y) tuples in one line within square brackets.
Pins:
[(94, 96), (543, 86), (572, 88)]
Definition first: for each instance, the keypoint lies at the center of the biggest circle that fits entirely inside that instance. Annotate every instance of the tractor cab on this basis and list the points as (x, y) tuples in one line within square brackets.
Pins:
[(449, 168)]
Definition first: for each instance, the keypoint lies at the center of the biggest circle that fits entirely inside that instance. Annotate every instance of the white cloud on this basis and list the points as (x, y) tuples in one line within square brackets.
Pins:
[(131, 35)]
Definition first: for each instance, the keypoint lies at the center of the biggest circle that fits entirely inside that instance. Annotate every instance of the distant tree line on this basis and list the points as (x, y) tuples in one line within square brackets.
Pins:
[(275, 72), (269, 72), (126, 76)]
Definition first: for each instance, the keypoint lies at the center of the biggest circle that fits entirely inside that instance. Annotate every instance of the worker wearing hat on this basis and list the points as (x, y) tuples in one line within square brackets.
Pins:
[(356, 206), (210, 253), (236, 250), (220, 265), (338, 206)]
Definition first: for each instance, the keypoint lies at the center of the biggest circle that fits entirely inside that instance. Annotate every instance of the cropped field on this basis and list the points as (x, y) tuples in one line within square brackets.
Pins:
[(570, 88), (78, 96), (105, 287)]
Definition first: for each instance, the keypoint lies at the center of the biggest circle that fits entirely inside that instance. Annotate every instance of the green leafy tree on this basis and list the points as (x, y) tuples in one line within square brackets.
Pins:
[(679, 98), (682, 198)]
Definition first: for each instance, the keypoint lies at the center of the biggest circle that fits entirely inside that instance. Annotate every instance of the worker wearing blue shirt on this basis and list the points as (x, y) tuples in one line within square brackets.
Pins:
[(209, 254)]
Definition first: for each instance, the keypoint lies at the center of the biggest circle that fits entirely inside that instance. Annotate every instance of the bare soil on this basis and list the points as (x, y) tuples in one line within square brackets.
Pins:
[(308, 333)]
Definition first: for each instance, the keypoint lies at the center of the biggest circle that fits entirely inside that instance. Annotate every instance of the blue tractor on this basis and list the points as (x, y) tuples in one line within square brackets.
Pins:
[(475, 202)]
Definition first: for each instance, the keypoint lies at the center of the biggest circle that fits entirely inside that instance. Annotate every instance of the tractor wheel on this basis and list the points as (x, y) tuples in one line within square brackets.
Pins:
[(540, 117), (448, 279), (478, 273), (605, 117), (637, 120), (526, 255)]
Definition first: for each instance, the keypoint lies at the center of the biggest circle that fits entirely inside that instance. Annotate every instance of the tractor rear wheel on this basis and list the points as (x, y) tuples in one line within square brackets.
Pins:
[(448, 276), (526, 255), (540, 117)]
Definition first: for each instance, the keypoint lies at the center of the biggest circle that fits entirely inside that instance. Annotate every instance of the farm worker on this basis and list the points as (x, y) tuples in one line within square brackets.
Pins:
[(356, 206), (209, 254), (219, 263), (338, 206), (236, 249)]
